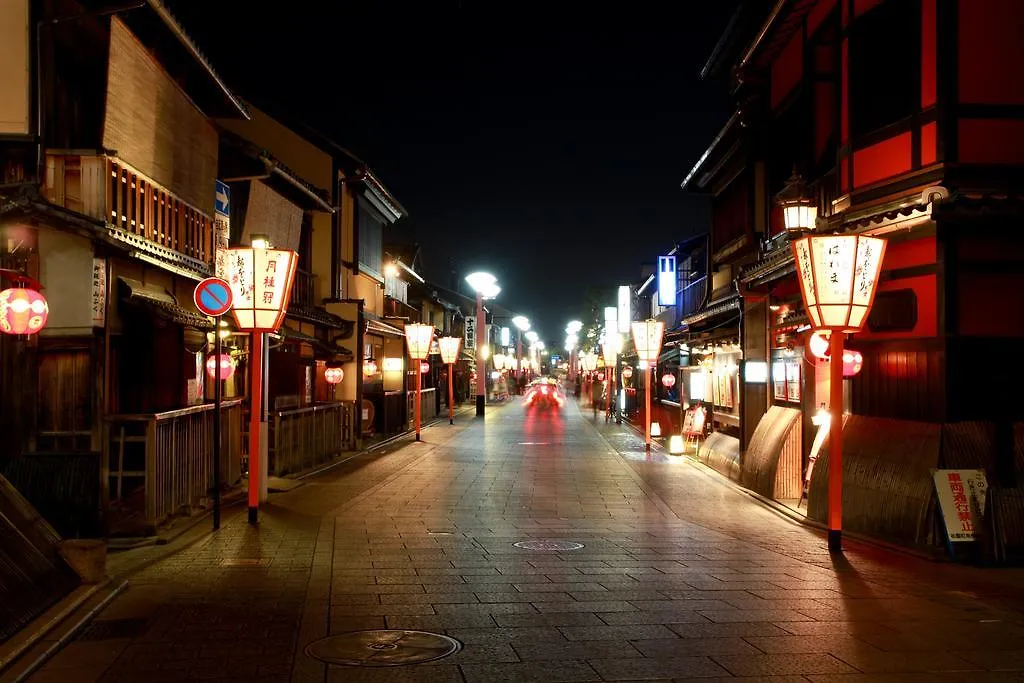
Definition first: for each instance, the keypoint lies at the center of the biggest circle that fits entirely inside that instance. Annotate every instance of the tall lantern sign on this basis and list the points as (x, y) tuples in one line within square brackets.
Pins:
[(647, 336), (418, 338), (261, 283), (449, 347), (838, 276)]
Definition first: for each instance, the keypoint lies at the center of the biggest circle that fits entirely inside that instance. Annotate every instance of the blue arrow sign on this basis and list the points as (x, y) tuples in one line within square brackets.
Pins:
[(222, 201)]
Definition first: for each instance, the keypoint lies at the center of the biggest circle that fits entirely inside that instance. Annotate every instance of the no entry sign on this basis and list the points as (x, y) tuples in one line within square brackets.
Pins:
[(213, 296)]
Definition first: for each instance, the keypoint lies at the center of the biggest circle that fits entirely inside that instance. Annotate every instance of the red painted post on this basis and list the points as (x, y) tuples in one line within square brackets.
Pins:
[(451, 396), (419, 379), (835, 445), (255, 408), (647, 401)]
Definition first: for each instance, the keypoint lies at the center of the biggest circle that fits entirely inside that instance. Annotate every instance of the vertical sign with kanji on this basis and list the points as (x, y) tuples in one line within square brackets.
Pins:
[(962, 499), (470, 333), (99, 292), (221, 228)]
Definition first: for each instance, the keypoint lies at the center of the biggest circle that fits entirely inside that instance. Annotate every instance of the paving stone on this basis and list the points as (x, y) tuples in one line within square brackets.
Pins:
[(775, 665), (646, 669)]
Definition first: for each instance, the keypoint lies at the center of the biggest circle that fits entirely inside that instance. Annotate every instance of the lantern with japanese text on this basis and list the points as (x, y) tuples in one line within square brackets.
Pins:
[(261, 281), (449, 348), (334, 375), (668, 380), (627, 372), (838, 275), (22, 311), (853, 361), (220, 367), (424, 367)]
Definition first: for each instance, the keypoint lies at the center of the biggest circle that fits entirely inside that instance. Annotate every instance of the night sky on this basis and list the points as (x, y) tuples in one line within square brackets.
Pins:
[(546, 146)]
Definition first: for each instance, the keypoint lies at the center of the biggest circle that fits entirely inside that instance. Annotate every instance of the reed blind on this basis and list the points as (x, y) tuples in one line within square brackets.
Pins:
[(152, 124)]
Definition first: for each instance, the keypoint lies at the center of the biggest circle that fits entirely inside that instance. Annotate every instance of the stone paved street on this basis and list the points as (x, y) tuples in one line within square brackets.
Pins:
[(681, 577)]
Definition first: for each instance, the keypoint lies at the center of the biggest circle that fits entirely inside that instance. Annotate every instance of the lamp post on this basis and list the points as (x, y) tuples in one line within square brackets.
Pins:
[(450, 355), (798, 209), (837, 275), (486, 287), (418, 337), (571, 332), (261, 284), (647, 339)]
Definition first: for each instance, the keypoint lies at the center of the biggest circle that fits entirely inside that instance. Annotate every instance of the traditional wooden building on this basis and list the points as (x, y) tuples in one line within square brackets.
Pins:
[(920, 143)]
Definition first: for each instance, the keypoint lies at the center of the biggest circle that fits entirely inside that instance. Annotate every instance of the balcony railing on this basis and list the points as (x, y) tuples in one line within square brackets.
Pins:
[(107, 189), (168, 457), (303, 290)]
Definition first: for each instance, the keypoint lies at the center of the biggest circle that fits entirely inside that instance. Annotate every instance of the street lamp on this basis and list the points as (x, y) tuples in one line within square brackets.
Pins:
[(486, 287), (798, 210), (418, 337), (837, 275), (522, 324), (647, 340), (261, 284), (449, 355)]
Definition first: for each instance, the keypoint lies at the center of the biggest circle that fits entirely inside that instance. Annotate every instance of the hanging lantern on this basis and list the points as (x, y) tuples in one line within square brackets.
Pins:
[(424, 367), (220, 367), (798, 209), (627, 372), (22, 311), (853, 361), (600, 377), (818, 344), (668, 380), (334, 375), (369, 367)]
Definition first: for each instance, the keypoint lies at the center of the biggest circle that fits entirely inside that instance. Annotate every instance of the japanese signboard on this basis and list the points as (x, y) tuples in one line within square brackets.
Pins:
[(470, 333), (221, 228), (99, 292), (962, 499), (667, 282), (261, 282)]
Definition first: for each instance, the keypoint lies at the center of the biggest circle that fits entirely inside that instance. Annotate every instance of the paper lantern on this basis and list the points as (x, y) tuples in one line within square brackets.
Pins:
[(220, 367), (334, 375), (627, 372), (418, 337), (22, 311), (668, 380), (853, 361), (647, 336), (450, 349), (261, 282), (369, 367), (818, 344), (837, 275), (600, 377), (424, 367)]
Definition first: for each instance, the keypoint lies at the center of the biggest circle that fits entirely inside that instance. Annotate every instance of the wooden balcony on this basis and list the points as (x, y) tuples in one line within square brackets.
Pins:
[(303, 290), (130, 204)]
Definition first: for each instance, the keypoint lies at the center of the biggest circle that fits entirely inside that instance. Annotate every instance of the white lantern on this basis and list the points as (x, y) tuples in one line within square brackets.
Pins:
[(647, 336), (261, 282), (450, 349), (798, 210), (418, 337), (838, 275)]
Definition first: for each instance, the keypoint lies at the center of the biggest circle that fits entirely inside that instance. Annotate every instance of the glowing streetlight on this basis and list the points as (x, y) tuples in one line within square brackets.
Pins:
[(450, 354), (486, 287), (647, 339), (418, 338)]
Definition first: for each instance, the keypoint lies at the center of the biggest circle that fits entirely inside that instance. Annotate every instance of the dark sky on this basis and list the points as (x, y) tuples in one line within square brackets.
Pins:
[(544, 145)]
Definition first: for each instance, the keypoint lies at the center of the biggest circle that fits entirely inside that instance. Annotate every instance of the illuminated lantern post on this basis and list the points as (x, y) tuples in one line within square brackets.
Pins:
[(261, 283), (647, 340), (611, 354), (418, 337), (838, 275), (333, 376), (450, 354), (522, 324), (486, 287)]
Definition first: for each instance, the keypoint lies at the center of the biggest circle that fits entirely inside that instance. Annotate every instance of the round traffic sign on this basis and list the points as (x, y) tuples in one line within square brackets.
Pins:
[(213, 296)]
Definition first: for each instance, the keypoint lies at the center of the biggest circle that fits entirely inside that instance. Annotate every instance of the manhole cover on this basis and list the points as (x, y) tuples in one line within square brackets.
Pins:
[(548, 545), (111, 629), (390, 647)]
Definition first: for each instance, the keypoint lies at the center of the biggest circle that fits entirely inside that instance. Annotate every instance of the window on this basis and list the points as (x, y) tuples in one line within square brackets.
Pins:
[(885, 65), (371, 239)]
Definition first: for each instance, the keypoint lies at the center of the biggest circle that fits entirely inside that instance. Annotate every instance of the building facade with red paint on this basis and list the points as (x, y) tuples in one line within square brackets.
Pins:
[(905, 120)]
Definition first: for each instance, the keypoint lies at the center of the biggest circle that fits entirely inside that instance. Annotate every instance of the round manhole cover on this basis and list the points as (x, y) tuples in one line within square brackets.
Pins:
[(548, 545), (390, 647)]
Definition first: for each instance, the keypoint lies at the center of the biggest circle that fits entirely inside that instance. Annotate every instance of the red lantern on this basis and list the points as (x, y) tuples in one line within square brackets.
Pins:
[(668, 380), (22, 311), (818, 343), (600, 377), (222, 370), (627, 372), (334, 375), (424, 367), (369, 367), (852, 362)]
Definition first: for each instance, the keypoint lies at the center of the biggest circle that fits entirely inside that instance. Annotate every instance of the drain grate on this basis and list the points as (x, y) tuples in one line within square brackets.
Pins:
[(548, 545), (246, 562), (385, 647), (111, 629)]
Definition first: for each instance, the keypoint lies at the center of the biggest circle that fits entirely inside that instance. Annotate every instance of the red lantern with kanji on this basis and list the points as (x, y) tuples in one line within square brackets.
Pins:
[(627, 372), (334, 375), (852, 362), (220, 367), (668, 380), (424, 367), (22, 311)]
